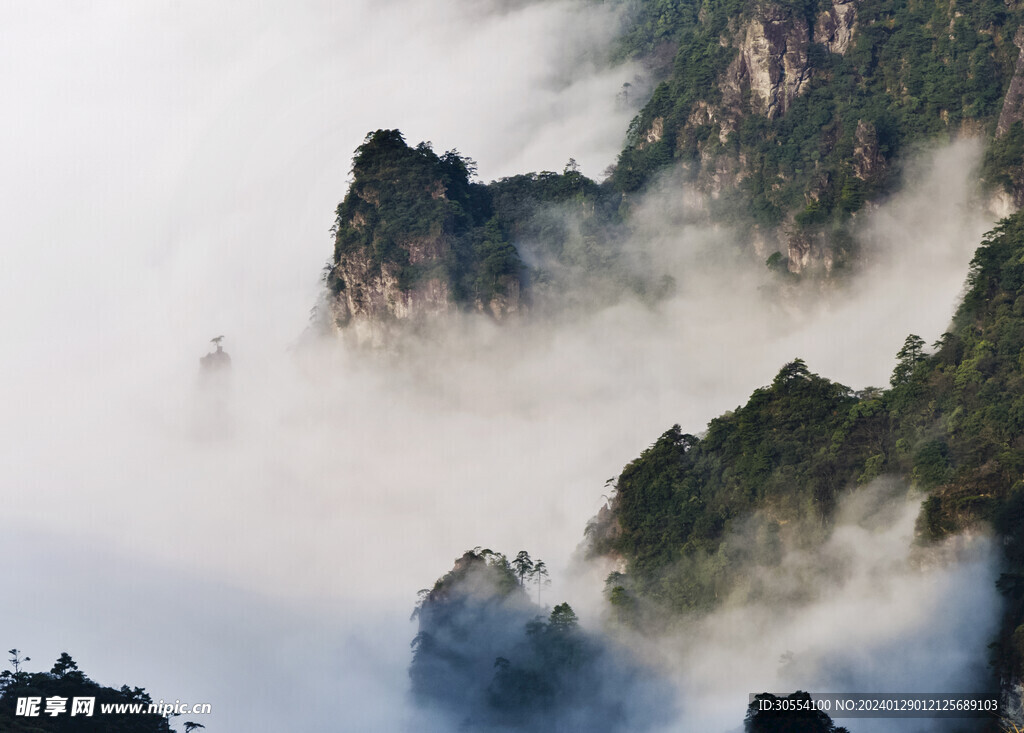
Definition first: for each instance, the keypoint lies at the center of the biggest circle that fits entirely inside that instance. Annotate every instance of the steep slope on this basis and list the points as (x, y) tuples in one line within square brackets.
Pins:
[(65, 684), (952, 423), (489, 659), (414, 238), (788, 116), (797, 111)]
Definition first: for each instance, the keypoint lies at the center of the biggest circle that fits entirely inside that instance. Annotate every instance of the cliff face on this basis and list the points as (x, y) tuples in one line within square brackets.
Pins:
[(371, 294), (786, 115), (415, 240), (1013, 103), (835, 25), (790, 114), (770, 68), (772, 60)]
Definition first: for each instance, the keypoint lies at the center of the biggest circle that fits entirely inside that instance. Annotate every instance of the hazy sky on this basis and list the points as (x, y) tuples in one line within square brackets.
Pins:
[(170, 174)]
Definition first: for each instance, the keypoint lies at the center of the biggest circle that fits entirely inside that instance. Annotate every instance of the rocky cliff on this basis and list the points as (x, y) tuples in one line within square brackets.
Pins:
[(834, 26), (771, 66), (789, 115), (415, 240), (1013, 103)]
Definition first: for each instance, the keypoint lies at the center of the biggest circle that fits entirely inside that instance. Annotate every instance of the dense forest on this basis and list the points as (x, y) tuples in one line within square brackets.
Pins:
[(951, 423), (61, 686), (807, 105), (412, 215), (415, 236), (488, 658), (789, 117)]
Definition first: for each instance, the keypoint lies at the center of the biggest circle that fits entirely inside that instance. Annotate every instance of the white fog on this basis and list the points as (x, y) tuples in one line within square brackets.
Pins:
[(170, 173)]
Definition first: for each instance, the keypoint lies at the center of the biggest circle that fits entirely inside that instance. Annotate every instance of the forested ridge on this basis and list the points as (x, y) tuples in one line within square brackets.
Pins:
[(789, 116), (488, 658), (61, 685), (951, 423), (856, 84)]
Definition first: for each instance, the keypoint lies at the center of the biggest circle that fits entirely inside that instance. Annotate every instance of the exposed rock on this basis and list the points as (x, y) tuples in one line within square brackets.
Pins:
[(1013, 102), (414, 242), (372, 299), (772, 61), (426, 250), (834, 26), (867, 158), (654, 134), (719, 173), (507, 302), (704, 114), (806, 249), (798, 251)]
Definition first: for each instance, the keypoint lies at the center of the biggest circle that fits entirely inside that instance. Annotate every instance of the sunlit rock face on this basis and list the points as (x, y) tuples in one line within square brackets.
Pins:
[(415, 240), (835, 25), (772, 59)]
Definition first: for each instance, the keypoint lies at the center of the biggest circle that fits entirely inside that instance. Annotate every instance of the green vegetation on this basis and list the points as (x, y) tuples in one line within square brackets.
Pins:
[(562, 218), (491, 660), (64, 682), (913, 72), (788, 452), (952, 423), (537, 206), (417, 214), (412, 215), (1004, 160), (571, 232)]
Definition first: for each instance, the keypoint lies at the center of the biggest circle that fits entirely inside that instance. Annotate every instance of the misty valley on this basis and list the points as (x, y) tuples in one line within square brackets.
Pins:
[(717, 307)]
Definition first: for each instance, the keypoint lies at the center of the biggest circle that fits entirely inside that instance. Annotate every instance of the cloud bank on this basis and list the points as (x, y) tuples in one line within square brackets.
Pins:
[(170, 175)]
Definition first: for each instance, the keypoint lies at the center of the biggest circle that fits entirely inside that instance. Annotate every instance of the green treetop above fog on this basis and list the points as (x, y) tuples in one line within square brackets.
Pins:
[(787, 115), (952, 423), (66, 680)]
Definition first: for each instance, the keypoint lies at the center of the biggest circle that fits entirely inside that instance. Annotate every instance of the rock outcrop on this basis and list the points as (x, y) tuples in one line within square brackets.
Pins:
[(867, 161), (370, 296), (1013, 102), (834, 26), (772, 60), (776, 128), (414, 242)]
